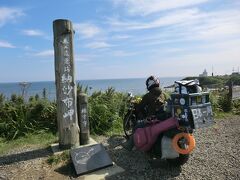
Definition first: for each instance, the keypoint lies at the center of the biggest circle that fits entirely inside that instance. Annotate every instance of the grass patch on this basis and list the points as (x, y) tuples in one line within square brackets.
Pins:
[(116, 128), (59, 158), (223, 115), (41, 139)]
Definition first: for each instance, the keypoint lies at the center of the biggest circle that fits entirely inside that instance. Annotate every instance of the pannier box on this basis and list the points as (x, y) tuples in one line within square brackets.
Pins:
[(192, 109)]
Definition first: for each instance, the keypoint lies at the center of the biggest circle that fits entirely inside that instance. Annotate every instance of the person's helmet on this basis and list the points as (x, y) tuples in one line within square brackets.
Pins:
[(152, 82)]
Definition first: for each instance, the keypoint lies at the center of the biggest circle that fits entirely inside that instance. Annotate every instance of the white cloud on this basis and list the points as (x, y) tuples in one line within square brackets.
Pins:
[(120, 37), (98, 45), (187, 40), (32, 32), (27, 48), (223, 56), (173, 18), (86, 30), (184, 25), (45, 53), (9, 14), (146, 7), (219, 24), (83, 57), (121, 53), (5, 44)]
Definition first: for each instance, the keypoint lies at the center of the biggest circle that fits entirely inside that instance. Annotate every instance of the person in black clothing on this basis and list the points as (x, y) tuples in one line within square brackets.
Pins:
[(153, 102), (152, 105)]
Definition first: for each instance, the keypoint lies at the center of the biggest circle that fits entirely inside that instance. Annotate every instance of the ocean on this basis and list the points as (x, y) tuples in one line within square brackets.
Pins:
[(136, 86)]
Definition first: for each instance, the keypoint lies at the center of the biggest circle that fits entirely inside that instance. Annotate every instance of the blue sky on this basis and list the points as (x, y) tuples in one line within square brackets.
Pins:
[(121, 38)]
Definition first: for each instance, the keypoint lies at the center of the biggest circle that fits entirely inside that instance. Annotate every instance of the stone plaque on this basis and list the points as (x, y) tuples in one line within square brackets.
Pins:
[(90, 158)]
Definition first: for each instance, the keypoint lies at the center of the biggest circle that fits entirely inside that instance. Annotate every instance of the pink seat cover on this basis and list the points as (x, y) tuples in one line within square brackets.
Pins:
[(144, 138)]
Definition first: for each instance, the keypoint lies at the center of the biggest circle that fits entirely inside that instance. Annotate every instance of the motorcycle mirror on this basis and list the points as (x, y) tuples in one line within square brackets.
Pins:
[(130, 94)]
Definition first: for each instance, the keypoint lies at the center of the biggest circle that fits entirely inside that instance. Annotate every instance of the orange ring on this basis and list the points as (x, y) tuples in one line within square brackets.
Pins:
[(190, 140)]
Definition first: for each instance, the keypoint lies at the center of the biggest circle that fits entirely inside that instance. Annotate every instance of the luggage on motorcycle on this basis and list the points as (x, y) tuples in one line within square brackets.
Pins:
[(186, 87), (144, 138)]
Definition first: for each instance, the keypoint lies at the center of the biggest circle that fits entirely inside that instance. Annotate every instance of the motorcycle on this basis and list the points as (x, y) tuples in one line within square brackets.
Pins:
[(171, 139)]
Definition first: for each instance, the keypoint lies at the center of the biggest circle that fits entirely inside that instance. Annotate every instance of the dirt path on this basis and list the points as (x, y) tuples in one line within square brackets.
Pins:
[(215, 157)]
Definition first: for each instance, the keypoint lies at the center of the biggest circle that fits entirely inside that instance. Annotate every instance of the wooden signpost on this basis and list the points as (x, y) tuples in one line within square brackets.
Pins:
[(86, 158), (83, 118), (65, 84)]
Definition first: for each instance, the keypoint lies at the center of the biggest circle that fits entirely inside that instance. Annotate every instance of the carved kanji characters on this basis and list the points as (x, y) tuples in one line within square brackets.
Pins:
[(66, 78), (68, 102), (67, 89), (67, 68), (69, 113)]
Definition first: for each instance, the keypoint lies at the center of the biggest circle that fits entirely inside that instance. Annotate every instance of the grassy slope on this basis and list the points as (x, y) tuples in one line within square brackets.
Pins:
[(30, 140)]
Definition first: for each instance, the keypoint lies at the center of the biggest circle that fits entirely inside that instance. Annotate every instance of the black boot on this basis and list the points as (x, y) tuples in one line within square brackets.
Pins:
[(129, 144)]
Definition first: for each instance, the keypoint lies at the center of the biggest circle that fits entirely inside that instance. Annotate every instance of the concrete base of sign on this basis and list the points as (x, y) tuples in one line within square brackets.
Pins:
[(56, 150), (103, 173)]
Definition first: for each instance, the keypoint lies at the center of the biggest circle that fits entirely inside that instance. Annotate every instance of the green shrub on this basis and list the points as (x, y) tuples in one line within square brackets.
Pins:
[(236, 107), (18, 118), (214, 99), (220, 101), (2, 99), (44, 113), (13, 120), (81, 89), (106, 110), (234, 79), (225, 102), (17, 99)]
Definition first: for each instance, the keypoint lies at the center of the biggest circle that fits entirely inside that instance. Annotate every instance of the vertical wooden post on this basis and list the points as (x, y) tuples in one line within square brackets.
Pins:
[(230, 90), (68, 128), (230, 95), (83, 118)]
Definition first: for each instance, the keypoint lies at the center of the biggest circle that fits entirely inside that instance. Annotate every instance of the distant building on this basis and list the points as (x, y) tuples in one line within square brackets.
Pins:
[(204, 74), (235, 73)]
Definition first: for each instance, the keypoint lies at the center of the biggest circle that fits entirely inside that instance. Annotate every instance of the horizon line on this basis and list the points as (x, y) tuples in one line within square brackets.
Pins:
[(96, 79)]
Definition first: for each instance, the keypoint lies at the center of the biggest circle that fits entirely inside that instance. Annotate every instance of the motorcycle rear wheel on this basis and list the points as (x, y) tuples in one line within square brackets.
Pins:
[(179, 161)]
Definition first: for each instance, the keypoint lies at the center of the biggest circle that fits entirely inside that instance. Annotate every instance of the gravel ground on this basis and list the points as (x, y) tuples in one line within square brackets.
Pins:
[(216, 157)]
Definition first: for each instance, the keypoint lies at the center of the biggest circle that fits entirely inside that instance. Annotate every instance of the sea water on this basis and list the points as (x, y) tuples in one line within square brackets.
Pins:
[(136, 86)]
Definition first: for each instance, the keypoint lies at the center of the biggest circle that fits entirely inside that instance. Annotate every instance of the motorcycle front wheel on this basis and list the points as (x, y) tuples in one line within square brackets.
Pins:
[(128, 124), (182, 159)]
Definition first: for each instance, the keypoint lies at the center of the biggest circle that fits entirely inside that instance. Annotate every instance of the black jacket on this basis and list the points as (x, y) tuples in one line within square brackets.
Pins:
[(152, 103)]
